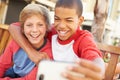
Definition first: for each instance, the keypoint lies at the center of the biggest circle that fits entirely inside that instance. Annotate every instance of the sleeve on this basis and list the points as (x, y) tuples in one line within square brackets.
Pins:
[(16, 24), (30, 76), (6, 59), (89, 48)]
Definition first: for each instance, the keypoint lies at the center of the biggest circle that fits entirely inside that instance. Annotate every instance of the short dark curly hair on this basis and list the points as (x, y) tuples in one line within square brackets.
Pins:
[(72, 4)]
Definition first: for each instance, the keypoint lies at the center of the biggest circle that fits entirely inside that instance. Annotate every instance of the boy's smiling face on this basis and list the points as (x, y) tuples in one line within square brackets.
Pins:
[(35, 30), (66, 22)]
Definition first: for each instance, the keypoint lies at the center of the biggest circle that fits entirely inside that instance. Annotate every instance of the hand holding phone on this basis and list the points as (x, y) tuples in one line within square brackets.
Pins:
[(52, 70)]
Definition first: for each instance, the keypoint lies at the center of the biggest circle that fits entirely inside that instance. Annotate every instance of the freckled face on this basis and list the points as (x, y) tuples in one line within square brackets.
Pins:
[(66, 22), (35, 30)]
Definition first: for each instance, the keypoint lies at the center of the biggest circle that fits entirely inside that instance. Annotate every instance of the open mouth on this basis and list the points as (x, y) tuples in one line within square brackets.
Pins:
[(34, 36), (62, 33)]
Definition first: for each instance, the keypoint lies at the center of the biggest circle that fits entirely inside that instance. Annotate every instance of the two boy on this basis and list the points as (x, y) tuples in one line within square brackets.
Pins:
[(69, 43)]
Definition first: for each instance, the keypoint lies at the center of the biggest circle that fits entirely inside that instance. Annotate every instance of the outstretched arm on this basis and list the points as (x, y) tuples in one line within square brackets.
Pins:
[(17, 35), (90, 70)]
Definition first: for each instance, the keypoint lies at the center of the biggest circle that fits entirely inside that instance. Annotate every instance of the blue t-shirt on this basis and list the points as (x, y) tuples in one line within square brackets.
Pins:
[(22, 64)]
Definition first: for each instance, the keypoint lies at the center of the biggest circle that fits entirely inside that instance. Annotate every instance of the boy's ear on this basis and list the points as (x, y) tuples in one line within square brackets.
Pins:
[(81, 19)]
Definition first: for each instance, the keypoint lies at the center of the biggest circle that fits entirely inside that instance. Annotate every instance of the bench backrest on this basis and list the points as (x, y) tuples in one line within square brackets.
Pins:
[(4, 37), (115, 52)]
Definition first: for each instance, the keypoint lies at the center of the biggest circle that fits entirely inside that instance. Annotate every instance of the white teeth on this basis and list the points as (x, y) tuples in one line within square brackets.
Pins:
[(34, 36), (62, 32)]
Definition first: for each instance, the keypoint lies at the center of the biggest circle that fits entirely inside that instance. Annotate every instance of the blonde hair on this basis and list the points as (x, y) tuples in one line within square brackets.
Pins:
[(34, 9)]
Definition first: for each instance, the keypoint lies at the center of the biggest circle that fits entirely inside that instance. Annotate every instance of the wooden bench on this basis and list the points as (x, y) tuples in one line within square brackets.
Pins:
[(4, 37), (115, 52)]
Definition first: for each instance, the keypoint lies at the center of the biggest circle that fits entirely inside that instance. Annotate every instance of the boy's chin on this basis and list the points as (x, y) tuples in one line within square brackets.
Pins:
[(63, 38)]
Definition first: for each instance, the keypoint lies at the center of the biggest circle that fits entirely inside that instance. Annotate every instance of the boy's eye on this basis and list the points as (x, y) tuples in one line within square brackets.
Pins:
[(29, 25), (57, 19), (40, 24), (68, 20)]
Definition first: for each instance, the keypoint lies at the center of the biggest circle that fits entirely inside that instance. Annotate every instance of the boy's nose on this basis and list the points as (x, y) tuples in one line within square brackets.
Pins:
[(34, 28), (62, 25)]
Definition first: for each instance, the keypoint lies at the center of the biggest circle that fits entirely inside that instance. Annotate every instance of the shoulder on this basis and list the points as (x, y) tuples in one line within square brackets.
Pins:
[(13, 46), (83, 35), (47, 46), (47, 49)]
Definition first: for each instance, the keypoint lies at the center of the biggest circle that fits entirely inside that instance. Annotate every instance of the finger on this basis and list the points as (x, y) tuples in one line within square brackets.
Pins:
[(89, 64), (86, 71), (69, 76)]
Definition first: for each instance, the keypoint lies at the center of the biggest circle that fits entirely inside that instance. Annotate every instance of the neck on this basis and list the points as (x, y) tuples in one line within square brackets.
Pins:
[(38, 47)]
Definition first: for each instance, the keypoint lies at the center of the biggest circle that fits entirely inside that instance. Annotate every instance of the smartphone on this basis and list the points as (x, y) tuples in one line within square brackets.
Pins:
[(52, 70)]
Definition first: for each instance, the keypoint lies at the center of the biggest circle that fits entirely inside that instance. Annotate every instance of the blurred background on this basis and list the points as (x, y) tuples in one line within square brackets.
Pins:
[(102, 17)]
